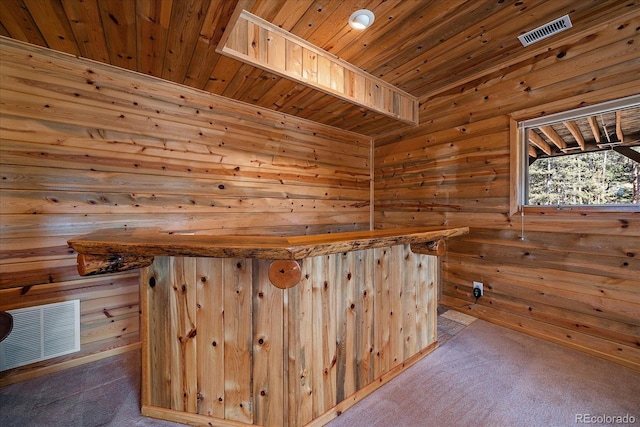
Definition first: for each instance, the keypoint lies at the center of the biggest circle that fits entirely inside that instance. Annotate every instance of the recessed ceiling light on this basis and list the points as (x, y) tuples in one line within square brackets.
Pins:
[(361, 19)]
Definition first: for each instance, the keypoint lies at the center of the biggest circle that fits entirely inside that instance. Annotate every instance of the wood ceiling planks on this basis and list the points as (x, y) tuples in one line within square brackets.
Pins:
[(184, 29), (424, 48), (118, 20), (58, 35), (487, 31), (19, 23), (86, 25), (618, 130), (152, 22)]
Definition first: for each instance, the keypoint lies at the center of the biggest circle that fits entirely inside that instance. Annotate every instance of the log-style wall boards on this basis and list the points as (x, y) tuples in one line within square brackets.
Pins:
[(84, 146)]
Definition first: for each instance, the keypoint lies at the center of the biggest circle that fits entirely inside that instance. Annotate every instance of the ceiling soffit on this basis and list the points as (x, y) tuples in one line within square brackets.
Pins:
[(257, 42)]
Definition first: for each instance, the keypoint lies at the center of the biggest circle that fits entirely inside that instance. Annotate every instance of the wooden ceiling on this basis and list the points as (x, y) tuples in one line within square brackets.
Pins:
[(618, 130), (422, 47)]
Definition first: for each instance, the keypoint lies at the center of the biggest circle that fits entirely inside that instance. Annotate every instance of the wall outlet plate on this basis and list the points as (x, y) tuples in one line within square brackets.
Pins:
[(479, 285)]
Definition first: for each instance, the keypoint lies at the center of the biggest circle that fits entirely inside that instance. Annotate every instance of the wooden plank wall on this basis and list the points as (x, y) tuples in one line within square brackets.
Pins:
[(87, 146), (574, 279), (228, 344)]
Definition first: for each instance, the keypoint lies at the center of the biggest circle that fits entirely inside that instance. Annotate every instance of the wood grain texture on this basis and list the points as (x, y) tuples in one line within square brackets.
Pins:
[(422, 48), (210, 321), (566, 276), (270, 353), (86, 146), (289, 356), (91, 264), (144, 242), (238, 339)]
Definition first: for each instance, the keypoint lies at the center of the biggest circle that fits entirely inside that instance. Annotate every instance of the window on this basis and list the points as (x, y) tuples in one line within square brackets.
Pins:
[(584, 157)]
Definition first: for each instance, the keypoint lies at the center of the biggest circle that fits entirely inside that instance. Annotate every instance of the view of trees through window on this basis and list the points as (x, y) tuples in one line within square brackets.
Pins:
[(589, 156), (593, 178)]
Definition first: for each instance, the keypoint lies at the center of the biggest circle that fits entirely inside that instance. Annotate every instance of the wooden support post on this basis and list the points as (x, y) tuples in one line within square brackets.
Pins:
[(89, 264), (285, 274)]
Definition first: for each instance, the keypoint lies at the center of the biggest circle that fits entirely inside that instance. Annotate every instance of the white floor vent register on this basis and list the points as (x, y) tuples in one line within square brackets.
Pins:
[(40, 333)]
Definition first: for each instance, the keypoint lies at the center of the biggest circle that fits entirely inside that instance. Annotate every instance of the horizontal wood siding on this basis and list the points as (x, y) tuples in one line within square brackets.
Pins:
[(567, 276), (85, 146)]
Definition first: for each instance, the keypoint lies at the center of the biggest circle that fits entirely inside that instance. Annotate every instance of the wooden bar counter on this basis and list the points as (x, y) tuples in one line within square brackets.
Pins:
[(274, 331)]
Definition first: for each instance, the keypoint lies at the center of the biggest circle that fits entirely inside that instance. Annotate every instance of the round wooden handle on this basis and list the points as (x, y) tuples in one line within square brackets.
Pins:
[(284, 274)]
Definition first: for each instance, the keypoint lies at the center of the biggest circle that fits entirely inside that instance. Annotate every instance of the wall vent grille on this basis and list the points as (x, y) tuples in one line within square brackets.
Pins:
[(41, 333), (546, 30)]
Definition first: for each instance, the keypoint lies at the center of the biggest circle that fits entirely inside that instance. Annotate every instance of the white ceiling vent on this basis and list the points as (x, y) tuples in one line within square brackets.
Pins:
[(40, 333), (547, 30)]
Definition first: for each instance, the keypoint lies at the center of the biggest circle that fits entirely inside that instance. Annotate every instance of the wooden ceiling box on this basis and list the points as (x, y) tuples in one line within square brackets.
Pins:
[(257, 42)]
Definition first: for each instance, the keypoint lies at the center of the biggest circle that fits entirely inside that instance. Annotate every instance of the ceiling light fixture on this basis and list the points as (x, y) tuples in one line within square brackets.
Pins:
[(361, 19)]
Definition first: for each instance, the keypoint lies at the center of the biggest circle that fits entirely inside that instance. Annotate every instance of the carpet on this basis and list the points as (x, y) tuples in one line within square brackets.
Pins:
[(484, 375), (102, 393), (487, 375)]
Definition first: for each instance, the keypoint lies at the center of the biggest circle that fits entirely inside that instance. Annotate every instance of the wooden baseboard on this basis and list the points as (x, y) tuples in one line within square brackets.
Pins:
[(585, 343), (187, 418)]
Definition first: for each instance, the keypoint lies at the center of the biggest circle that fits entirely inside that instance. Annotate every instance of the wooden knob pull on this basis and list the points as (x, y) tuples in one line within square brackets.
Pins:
[(285, 274)]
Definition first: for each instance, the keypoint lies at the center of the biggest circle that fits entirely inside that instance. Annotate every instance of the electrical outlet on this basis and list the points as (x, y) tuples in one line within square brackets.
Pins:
[(480, 287)]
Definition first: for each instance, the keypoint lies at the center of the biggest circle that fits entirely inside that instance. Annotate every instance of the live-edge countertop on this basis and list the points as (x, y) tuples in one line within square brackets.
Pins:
[(145, 242)]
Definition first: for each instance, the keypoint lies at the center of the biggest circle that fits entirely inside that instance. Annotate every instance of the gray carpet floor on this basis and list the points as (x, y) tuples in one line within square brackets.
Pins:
[(102, 393), (488, 375), (481, 375)]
